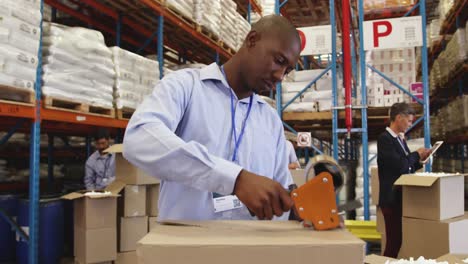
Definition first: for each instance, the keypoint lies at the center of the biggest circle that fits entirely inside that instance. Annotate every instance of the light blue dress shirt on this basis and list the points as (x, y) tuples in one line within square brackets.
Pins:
[(100, 171), (182, 134)]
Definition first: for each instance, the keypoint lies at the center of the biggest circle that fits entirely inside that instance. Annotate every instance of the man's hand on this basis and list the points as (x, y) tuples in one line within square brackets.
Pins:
[(262, 196), (423, 153)]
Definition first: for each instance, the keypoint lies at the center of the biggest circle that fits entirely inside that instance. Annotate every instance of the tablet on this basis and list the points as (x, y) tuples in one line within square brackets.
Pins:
[(433, 150)]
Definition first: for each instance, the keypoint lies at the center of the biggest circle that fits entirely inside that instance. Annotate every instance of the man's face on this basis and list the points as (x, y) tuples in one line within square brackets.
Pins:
[(404, 122), (102, 144), (272, 57)]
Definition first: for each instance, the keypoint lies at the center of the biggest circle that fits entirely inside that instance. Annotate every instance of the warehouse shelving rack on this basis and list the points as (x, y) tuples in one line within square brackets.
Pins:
[(361, 113), (456, 142), (145, 23)]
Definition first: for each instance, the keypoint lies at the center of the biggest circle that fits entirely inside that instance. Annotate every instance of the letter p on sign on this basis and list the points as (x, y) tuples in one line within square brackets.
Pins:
[(381, 29), (393, 33)]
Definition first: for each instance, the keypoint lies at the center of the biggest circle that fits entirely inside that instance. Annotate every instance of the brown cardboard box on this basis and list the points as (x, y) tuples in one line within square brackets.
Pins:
[(380, 221), (152, 222), (152, 198), (131, 230), (432, 239), (127, 258), (126, 172), (94, 212), (133, 201), (453, 258), (375, 186), (432, 197), (298, 176), (95, 245), (234, 242)]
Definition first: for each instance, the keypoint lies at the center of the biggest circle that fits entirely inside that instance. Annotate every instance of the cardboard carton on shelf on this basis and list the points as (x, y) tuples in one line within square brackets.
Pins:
[(129, 257), (432, 239), (152, 198), (95, 245), (233, 242), (98, 210), (131, 229), (435, 197), (152, 222), (95, 224), (126, 172), (133, 201)]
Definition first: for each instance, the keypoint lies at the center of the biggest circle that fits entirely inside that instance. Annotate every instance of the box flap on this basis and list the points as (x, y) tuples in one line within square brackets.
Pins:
[(376, 259), (117, 148), (115, 187), (412, 180), (81, 194), (72, 196)]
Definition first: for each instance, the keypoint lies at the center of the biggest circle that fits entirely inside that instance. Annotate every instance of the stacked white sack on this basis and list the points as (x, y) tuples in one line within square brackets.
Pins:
[(19, 43), (77, 65), (228, 27), (185, 7), (136, 77), (207, 13)]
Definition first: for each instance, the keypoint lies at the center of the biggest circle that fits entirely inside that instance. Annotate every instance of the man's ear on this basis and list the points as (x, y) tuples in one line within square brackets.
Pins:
[(252, 38)]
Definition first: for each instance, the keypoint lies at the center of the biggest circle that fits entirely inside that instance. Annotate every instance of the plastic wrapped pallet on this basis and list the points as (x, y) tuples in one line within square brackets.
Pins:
[(77, 66), (228, 27), (136, 76), (19, 46), (185, 7), (242, 29), (207, 13), (25, 10)]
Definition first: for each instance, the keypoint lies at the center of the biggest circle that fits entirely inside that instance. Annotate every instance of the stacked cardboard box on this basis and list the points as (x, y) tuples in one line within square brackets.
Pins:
[(137, 205), (95, 225), (396, 64), (434, 221)]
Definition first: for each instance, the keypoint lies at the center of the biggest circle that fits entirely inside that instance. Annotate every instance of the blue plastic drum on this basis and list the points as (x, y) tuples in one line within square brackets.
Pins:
[(9, 205), (50, 231)]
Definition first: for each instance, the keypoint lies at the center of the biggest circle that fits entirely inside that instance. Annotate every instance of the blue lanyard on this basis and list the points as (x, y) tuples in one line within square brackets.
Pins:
[(237, 141)]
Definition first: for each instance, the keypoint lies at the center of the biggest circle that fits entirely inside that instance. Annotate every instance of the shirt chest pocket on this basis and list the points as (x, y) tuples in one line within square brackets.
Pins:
[(263, 154)]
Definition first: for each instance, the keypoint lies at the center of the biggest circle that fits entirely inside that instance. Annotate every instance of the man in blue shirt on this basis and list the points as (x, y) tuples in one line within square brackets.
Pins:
[(100, 166), (205, 132)]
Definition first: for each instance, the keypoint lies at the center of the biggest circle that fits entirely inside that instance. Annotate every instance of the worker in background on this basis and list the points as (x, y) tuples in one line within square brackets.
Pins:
[(100, 166), (394, 159), (207, 133), (293, 161)]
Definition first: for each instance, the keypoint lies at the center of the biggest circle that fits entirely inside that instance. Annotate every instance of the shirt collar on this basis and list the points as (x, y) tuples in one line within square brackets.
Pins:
[(392, 132), (213, 72), (395, 135)]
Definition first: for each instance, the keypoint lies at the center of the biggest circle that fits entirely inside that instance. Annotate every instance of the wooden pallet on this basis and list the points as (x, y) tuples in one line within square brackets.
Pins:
[(179, 14), (226, 47), (207, 32), (68, 105), (125, 113), (14, 94)]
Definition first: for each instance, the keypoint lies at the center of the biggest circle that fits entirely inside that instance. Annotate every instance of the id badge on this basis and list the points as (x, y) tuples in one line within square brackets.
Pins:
[(226, 203)]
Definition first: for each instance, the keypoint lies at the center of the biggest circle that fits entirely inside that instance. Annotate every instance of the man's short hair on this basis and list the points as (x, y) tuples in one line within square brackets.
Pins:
[(400, 109), (102, 134)]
